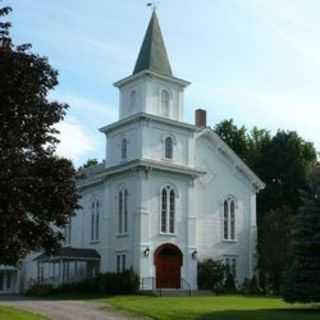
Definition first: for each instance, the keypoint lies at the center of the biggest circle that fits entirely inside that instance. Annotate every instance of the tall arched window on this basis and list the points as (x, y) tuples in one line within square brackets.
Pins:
[(95, 219), (168, 148), (229, 220), (232, 220), (164, 205), (123, 211), (124, 147), (168, 210), (165, 103), (67, 233), (226, 221), (133, 101)]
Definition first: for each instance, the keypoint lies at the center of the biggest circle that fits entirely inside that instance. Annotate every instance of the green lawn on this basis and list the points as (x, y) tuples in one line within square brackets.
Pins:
[(8, 313), (214, 308)]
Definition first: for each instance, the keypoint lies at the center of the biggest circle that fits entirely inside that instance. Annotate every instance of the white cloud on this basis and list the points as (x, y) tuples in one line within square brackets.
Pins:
[(80, 139), (90, 107), (75, 141)]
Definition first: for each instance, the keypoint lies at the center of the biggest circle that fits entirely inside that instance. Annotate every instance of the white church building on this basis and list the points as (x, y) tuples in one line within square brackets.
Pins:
[(168, 195)]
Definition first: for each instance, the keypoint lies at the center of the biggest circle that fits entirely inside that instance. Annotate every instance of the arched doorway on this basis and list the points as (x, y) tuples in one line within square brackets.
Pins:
[(168, 262)]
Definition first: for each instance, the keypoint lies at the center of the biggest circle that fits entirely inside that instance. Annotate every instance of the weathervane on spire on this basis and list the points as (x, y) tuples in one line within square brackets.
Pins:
[(153, 5)]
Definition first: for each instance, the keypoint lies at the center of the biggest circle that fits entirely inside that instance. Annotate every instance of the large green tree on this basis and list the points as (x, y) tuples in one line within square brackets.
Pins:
[(283, 162), (235, 137), (303, 274), (37, 188), (274, 239)]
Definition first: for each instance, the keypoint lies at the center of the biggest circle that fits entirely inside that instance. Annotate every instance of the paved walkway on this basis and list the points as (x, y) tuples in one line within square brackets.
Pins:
[(66, 309)]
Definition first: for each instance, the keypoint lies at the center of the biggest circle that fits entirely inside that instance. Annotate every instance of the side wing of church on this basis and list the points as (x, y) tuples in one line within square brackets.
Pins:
[(169, 193)]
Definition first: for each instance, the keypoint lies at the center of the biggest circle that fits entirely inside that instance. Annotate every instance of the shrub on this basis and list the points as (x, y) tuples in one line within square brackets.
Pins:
[(210, 275), (118, 283), (40, 290), (229, 284), (104, 283), (245, 287), (254, 288), (250, 286)]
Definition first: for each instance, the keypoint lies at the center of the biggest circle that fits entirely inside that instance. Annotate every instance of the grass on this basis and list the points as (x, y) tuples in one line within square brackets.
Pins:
[(8, 313), (214, 308)]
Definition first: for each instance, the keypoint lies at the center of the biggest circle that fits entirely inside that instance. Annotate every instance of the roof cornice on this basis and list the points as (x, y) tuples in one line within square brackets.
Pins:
[(239, 164), (147, 116), (148, 73), (146, 164)]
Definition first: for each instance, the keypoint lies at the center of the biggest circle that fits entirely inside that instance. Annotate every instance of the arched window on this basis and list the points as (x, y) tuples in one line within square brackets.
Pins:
[(133, 101), (168, 208), (232, 220), (229, 220), (67, 233), (124, 147), (226, 220), (168, 148), (123, 211), (164, 210), (165, 101), (95, 219)]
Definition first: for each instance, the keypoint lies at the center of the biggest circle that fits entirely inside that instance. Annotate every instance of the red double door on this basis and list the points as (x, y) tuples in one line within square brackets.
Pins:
[(168, 269)]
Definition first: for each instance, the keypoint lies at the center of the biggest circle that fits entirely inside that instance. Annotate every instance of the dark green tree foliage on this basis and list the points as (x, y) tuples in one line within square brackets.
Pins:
[(229, 284), (284, 162), (274, 245), (89, 163), (210, 274), (303, 275), (236, 138), (37, 189), (285, 166)]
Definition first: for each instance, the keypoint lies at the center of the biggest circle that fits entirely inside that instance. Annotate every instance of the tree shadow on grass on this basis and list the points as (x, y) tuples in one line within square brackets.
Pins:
[(264, 314)]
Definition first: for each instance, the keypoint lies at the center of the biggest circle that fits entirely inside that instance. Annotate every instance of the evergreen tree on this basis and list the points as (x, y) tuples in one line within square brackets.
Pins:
[(303, 274)]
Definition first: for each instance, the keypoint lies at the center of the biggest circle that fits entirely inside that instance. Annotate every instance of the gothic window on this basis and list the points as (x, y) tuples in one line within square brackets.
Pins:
[(225, 221), (229, 220), (67, 233), (168, 148), (95, 217), (133, 100), (165, 101), (232, 220), (164, 210), (123, 211), (168, 210), (124, 147), (171, 212)]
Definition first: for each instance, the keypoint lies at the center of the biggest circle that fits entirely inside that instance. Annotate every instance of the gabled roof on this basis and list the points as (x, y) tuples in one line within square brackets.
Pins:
[(239, 165), (153, 54)]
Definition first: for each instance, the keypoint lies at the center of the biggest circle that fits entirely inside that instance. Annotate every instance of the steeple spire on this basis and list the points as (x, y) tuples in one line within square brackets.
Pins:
[(153, 54)]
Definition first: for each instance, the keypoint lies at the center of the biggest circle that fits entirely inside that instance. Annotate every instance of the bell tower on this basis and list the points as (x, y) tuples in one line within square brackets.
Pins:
[(152, 88)]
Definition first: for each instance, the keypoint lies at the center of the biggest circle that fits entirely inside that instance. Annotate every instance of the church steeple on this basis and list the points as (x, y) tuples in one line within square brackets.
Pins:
[(152, 88), (153, 54)]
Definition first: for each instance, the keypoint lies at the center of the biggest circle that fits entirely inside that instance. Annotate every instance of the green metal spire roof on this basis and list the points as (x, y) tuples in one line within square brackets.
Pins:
[(153, 54)]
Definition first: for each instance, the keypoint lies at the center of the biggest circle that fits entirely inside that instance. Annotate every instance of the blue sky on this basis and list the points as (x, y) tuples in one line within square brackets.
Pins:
[(256, 61)]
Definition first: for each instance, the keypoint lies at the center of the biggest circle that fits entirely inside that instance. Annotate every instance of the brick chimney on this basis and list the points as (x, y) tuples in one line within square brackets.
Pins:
[(201, 118)]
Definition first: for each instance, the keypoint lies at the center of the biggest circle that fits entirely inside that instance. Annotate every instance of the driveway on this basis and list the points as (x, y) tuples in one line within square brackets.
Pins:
[(66, 309)]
